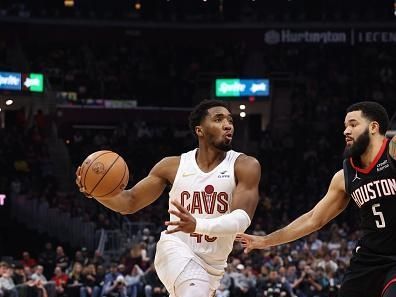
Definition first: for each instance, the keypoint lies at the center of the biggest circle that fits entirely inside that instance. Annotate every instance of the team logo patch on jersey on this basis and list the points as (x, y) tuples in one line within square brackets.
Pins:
[(356, 177), (209, 189)]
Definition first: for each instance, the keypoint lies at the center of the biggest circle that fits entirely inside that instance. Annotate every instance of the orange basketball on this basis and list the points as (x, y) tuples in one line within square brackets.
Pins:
[(104, 174)]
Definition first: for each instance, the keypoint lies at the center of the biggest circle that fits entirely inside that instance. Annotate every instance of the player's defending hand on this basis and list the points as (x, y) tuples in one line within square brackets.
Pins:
[(251, 242), (78, 182), (187, 222)]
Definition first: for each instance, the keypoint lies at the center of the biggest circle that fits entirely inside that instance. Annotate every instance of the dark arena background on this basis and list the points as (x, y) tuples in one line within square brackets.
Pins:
[(77, 76)]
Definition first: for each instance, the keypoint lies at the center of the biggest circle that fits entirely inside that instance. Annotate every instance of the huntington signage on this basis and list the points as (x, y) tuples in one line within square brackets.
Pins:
[(291, 36), (341, 36), (375, 36)]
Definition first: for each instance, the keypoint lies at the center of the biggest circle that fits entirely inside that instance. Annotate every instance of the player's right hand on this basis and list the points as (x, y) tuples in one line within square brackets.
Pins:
[(78, 183), (250, 242)]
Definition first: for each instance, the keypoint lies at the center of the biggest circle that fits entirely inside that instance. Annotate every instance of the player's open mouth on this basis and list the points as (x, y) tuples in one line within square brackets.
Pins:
[(228, 136)]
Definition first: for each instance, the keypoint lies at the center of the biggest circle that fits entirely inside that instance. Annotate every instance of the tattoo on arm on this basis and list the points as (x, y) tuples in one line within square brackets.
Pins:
[(392, 148)]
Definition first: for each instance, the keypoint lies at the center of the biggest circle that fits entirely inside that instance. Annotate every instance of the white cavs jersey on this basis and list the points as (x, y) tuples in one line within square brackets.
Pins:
[(204, 195)]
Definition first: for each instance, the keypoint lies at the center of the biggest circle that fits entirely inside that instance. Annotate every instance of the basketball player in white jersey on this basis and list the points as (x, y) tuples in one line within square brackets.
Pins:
[(213, 196)]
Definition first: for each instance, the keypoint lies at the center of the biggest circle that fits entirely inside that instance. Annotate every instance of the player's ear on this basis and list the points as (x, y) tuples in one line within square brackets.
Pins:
[(374, 127), (199, 131)]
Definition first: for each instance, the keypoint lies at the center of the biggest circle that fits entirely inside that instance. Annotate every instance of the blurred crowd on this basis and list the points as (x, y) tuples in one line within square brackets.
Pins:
[(161, 73), (312, 267)]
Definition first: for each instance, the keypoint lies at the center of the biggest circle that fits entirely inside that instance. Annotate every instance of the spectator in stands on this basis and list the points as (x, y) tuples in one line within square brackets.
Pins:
[(273, 286), (47, 258), (90, 287), (334, 283), (116, 288), (327, 263), (282, 273), (27, 260), (244, 281), (100, 275), (226, 284), (133, 258), (291, 274), (40, 289), (151, 246), (28, 272), (111, 276), (314, 242), (38, 274), (307, 285), (7, 286), (85, 256), (322, 279), (152, 284), (121, 269), (62, 260), (60, 278), (80, 258), (74, 282), (134, 281), (19, 276)]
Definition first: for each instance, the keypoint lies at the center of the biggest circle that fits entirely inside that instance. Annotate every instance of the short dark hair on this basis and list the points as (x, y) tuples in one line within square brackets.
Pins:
[(374, 112), (4, 264), (200, 111)]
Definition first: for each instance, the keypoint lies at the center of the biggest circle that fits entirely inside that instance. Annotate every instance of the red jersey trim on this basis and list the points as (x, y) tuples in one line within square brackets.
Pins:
[(391, 282), (372, 165)]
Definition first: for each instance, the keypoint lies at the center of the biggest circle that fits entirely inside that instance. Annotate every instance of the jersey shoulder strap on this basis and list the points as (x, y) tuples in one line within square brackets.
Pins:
[(346, 175)]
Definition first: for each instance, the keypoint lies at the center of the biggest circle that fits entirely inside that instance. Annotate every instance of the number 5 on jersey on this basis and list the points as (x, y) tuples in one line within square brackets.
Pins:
[(381, 222)]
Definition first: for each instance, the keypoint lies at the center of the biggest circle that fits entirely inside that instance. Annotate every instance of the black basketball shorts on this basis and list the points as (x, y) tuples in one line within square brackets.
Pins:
[(368, 274)]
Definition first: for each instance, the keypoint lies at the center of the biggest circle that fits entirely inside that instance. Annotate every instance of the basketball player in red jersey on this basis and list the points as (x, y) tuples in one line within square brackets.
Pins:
[(369, 178), (213, 196)]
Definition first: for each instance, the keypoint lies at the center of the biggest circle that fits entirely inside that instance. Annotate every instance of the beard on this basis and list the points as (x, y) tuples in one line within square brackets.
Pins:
[(221, 145), (358, 147), (225, 147)]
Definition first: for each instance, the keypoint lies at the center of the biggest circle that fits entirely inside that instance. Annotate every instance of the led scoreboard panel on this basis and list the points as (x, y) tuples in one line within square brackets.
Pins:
[(25, 82), (235, 87)]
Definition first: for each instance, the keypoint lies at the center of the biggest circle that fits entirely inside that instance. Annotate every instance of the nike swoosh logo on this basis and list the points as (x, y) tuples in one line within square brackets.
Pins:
[(188, 174)]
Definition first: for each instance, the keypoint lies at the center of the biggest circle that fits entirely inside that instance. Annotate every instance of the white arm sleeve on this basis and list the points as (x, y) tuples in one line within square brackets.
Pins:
[(230, 224)]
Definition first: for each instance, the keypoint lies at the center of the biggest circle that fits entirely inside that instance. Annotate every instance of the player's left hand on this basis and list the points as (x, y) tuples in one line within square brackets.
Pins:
[(78, 183), (251, 242), (187, 222)]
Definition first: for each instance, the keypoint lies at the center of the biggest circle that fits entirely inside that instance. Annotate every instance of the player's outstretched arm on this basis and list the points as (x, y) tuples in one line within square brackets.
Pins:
[(332, 204), (145, 191), (244, 202)]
